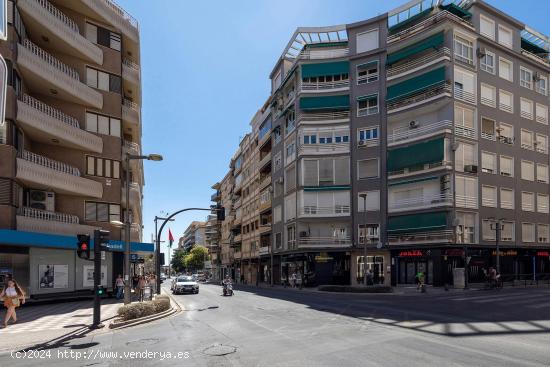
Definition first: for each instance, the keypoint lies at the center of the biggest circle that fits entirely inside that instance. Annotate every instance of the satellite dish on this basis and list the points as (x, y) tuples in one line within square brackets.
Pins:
[(379, 245)]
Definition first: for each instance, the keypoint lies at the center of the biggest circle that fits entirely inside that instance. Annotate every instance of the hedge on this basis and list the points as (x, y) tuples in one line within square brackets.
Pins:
[(142, 309)]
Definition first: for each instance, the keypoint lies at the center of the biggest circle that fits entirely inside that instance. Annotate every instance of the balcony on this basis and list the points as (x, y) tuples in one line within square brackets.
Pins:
[(464, 95), (421, 202), (130, 112), (43, 19), (51, 126), (466, 132), (421, 227), (44, 173), (42, 221), (131, 77), (264, 161), (135, 197), (418, 131), (265, 201), (49, 76), (414, 64), (319, 149), (319, 87), (264, 250), (265, 182), (313, 211), (131, 148), (443, 236), (215, 196), (418, 158), (324, 242), (265, 228), (463, 201), (324, 117), (237, 255), (321, 54)]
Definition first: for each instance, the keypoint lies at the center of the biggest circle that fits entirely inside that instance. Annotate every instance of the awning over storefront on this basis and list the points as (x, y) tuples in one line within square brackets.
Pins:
[(326, 68), (415, 155), (325, 103), (427, 43), (424, 222), (416, 84), (34, 239)]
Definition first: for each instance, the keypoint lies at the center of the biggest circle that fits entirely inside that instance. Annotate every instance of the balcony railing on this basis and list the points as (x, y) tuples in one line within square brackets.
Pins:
[(121, 12), (506, 107), (47, 215), (50, 111), (58, 14), (130, 63), (323, 54), (265, 160), (311, 242), (420, 168), (464, 95), (542, 119), (418, 63), (324, 116), (434, 236), (488, 135), (403, 134), (506, 204), (265, 182), (132, 147), (421, 201), (324, 86), (49, 59), (130, 104), (437, 89), (321, 211), (466, 132), (526, 115), (491, 102), (324, 148), (49, 163)]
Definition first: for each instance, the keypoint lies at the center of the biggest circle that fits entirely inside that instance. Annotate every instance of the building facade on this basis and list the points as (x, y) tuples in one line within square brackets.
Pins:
[(72, 114), (421, 134)]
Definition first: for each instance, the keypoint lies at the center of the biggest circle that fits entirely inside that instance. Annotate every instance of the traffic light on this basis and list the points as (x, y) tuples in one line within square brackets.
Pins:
[(100, 291), (101, 240), (220, 212), (83, 246)]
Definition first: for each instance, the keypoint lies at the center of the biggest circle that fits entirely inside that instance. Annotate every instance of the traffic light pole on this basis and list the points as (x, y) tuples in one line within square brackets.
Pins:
[(100, 236)]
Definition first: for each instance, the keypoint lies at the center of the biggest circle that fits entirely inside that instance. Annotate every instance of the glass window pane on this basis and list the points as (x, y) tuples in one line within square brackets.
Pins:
[(90, 162), (103, 81), (116, 169), (91, 122), (108, 168), (103, 125)]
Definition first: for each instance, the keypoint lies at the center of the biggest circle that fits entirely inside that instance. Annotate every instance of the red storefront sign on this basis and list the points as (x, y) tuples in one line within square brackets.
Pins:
[(411, 253), (543, 253)]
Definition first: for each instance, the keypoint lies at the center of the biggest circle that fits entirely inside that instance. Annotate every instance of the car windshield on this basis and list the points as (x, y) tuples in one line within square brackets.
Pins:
[(185, 279)]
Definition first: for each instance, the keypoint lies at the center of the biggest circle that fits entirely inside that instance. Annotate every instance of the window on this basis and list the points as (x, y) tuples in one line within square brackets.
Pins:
[(103, 124), (488, 95), (465, 122), (367, 105), (527, 232), (102, 212), (488, 162), (487, 62), (277, 136), (542, 113), (505, 37), (278, 240), (368, 168), (526, 108), (506, 166), (488, 128), (368, 135), (372, 232), (367, 41), (542, 173), (325, 172), (506, 133), (488, 233), (465, 155), (367, 73), (278, 161), (464, 50), (489, 196), (310, 139), (527, 201), (103, 37), (102, 167), (290, 178), (526, 139), (466, 227), (542, 203), (507, 198), (541, 84), (466, 191), (542, 231), (291, 237), (487, 27), (541, 143), (103, 81), (506, 101), (324, 202), (505, 69), (508, 232), (465, 86), (527, 170), (290, 207), (290, 122), (290, 151), (525, 77), (373, 201)]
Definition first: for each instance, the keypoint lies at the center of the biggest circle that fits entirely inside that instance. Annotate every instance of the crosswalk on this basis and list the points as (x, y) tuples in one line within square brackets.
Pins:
[(60, 316), (525, 298)]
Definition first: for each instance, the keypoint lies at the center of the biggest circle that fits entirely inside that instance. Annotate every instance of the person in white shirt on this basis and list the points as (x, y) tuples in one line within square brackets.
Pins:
[(13, 297)]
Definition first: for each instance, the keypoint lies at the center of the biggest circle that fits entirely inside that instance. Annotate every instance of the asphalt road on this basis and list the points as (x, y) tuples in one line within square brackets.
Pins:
[(278, 327)]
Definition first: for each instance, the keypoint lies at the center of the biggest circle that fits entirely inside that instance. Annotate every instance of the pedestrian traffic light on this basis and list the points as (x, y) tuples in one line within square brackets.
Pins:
[(83, 246), (220, 212), (101, 240), (100, 290)]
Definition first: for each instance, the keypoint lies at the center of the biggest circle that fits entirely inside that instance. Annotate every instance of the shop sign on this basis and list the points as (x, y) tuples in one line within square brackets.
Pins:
[(543, 253), (411, 253), (454, 252), (323, 257), (506, 253)]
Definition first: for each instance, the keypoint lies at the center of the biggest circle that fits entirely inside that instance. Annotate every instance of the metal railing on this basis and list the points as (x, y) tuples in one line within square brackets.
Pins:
[(324, 116), (47, 215), (324, 241), (526, 115), (434, 90), (506, 204), (324, 85), (407, 133), (418, 62), (491, 102), (367, 111), (323, 148), (122, 13), (424, 200), (130, 145), (489, 202), (505, 107), (419, 168), (542, 119), (464, 95), (49, 163), (130, 104), (324, 54), (466, 132), (325, 210), (58, 14), (130, 63), (443, 235), (488, 136), (48, 58), (48, 110)]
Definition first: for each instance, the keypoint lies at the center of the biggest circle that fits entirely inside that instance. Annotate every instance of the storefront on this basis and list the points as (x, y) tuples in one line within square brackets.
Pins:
[(317, 268), (378, 265)]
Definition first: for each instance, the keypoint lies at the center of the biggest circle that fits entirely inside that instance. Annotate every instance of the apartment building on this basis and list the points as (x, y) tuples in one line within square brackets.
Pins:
[(417, 134), (72, 114), (194, 234)]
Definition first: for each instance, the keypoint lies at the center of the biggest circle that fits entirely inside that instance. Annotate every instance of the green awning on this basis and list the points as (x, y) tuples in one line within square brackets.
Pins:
[(325, 103), (424, 222), (431, 42), (367, 65), (365, 98), (456, 10), (326, 44), (415, 18), (535, 49), (415, 155), (416, 84), (415, 180), (326, 68)]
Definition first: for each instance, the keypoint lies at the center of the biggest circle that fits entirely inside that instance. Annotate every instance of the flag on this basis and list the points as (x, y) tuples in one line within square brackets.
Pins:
[(170, 237)]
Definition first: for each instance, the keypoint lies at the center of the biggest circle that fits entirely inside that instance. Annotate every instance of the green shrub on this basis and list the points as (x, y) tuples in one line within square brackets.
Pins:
[(161, 303), (136, 310)]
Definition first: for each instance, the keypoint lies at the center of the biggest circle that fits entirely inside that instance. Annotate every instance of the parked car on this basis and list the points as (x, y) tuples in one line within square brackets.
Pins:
[(162, 277), (185, 284)]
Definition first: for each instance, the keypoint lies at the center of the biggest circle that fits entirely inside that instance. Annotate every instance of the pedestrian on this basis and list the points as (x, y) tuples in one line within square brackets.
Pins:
[(141, 287), (369, 277), (293, 279), (153, 282), (417, 280), (421, 280), (119, 284), (13, 297)]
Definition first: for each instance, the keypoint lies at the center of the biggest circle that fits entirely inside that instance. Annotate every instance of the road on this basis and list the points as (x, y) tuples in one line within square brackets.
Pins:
[(278, 327)]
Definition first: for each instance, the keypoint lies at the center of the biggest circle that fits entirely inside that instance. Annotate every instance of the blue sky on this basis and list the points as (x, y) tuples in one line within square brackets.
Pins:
[(205, 69)]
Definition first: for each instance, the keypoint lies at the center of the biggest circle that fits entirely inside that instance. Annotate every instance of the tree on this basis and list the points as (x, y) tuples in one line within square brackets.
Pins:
[(196, 258), (178, 260)]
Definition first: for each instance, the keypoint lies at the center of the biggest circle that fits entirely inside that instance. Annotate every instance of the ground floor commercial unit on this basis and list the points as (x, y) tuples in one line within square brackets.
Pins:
[(47, 265)]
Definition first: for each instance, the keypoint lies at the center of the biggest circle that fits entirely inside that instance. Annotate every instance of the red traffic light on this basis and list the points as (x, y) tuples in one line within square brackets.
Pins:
[(84, 246)]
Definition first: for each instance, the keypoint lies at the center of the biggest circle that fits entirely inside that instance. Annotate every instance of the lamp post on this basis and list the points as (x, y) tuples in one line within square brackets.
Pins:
[(157, 249), (127, 223), (497, 227), (364, 197)]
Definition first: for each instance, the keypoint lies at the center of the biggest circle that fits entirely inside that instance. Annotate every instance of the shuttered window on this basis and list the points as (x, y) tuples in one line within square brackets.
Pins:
[(325, 172), (290, 178), (367, 168)]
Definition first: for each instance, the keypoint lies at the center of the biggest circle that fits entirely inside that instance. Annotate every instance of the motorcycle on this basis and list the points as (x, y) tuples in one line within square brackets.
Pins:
[(228, 289)]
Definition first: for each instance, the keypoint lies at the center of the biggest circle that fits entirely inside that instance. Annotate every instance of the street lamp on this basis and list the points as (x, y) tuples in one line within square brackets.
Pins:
[(497, 227), (127, 223), (364, 197)]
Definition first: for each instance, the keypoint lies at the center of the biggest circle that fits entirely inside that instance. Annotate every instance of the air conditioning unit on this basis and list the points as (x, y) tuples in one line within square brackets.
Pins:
[(413, 124), (43, 200), (480, 53), (508, 140), (470, 168), (362, 143), (304, 234)]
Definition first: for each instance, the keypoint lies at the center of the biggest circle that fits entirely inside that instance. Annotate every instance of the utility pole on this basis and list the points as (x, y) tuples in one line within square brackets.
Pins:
[(497, 227)]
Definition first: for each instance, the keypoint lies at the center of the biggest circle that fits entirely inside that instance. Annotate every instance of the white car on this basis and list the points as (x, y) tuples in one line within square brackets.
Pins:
[(185, 284)]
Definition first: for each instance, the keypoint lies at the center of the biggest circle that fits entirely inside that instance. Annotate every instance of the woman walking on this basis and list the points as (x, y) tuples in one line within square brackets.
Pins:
[(13, 297)]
